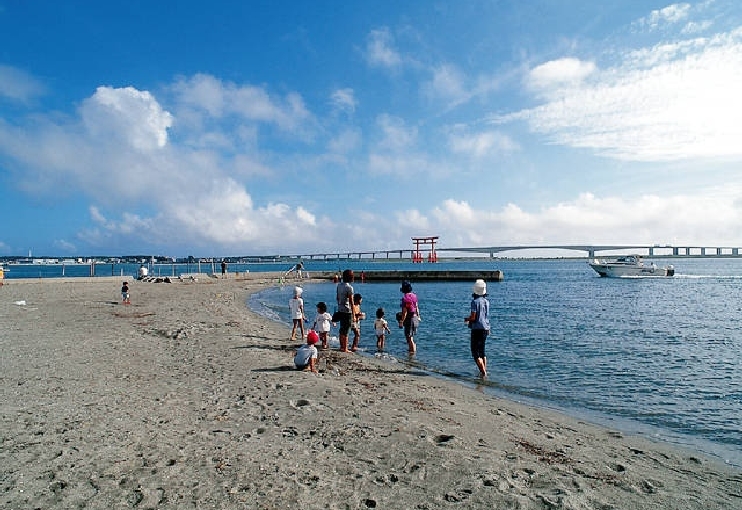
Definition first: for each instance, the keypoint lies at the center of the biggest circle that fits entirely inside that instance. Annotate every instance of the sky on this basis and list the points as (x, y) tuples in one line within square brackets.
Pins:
[(232, 128)]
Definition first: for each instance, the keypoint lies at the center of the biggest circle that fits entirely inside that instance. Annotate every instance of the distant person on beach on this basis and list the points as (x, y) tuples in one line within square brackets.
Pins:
[(224, 268), (125, 294), (381, 328), (344, 314), (355, 325), (306, 355), (322, 322), (298, 268), (296, 308), (409, 317), (479, 322)]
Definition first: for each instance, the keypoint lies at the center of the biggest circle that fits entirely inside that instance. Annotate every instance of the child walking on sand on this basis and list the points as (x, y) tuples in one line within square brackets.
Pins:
[(381, 327), (125, 294), (356, 325), (296, 308), (322, 323)]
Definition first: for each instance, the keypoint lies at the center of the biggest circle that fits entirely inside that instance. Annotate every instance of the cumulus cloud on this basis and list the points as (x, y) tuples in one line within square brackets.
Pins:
[(117, 150), (221, 99), (589, 219), (127, 116), (17, 85)]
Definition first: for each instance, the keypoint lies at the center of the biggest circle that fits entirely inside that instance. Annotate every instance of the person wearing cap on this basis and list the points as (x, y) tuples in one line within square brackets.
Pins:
[(409, 317), (296, 308), (479, 323), (344, 315), (306, 355)]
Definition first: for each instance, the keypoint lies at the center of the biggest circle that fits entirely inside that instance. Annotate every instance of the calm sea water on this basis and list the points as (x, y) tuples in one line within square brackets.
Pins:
[(655, 356)]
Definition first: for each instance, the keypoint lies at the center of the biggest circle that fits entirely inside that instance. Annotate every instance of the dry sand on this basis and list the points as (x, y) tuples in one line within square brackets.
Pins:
[(186, 399)]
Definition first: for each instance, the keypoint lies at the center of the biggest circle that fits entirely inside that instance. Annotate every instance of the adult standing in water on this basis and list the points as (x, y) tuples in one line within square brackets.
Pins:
[(409, 317), (479, 322), (344, 314)]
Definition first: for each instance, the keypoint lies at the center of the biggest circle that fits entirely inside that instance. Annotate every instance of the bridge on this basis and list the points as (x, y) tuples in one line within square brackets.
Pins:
[(589, 250)]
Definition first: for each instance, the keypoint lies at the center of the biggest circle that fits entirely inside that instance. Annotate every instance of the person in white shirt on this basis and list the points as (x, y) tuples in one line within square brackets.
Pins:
[(306, 355), (296, 308)]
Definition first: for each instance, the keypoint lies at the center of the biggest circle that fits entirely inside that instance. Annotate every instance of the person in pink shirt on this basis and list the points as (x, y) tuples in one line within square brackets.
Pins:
[(409, 317)]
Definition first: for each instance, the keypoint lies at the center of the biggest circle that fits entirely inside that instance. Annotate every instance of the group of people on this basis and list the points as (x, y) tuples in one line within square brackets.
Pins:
[(349, 315)]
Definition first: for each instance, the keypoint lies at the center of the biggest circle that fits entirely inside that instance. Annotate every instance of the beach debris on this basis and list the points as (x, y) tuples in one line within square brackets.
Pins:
[(22, 302)]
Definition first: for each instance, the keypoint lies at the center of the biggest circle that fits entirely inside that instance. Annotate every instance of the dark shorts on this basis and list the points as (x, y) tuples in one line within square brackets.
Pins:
[(344, 321), (409, 327), (478, 338)]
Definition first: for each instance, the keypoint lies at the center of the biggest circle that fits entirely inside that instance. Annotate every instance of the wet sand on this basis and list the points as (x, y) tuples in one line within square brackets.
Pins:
[(186, 399)]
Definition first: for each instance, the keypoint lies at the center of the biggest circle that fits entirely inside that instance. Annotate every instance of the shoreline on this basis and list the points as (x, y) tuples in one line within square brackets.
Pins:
[(187, 398)]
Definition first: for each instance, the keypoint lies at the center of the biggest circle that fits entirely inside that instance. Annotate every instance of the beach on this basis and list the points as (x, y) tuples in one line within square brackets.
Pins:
[(187, 399)]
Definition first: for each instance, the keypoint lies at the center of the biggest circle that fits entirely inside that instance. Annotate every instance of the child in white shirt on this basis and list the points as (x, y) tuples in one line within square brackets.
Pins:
[(381, 327), (306, 355), (296, 308), (322, 323)]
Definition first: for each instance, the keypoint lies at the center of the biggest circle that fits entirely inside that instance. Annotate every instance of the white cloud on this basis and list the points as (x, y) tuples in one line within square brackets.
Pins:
[(481, 144), (380, 51), (126, 115), (447, 83), (668, 15), (708, 218), (667, 103), (396, 135), (560, 72), (18, 85), (344, 100), (219, 99), (345, 142)]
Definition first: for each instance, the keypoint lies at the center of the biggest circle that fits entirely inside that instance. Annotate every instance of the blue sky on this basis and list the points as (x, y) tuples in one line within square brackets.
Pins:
[(239, 128)]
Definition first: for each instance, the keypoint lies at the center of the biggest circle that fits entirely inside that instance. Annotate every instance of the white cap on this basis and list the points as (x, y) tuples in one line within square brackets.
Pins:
[(480, 288), (298, 291)]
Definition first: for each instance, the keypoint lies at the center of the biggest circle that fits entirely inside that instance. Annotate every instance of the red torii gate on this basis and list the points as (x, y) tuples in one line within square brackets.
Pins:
[(417, 257)]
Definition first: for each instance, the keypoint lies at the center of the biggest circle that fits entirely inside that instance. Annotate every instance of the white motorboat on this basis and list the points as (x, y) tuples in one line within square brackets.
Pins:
[(627, 266)]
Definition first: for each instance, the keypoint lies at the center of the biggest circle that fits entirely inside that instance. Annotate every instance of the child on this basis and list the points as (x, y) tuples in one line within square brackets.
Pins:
[(296, 308), (381, 326), (356, 324), (306, 355), (322, 323), (125, 294)]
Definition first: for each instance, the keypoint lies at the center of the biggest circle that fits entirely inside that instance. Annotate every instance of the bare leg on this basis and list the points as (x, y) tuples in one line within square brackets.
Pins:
[(411, 345), (343, 343), (482, 366)]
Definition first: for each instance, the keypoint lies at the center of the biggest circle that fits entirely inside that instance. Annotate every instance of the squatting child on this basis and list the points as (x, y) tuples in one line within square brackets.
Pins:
[(306, 355)]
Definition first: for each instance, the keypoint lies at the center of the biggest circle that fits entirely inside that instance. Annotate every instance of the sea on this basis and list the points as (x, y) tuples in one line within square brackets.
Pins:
[(659, 357)]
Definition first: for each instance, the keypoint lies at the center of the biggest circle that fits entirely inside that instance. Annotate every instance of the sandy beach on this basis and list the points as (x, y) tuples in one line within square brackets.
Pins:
[(187, 399)]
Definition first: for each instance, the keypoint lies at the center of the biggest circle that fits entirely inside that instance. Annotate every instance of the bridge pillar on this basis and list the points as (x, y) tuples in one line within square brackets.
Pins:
[(651, 251), (591, 254), (675, 251), (735, 251), (703, 251), (718, 251)]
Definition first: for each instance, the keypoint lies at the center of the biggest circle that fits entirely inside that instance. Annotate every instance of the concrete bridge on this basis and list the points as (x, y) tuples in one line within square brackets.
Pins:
[(589, 250)]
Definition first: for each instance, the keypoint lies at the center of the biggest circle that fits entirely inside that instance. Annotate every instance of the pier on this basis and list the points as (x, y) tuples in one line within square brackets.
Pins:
[(422, 275)]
